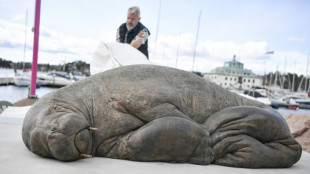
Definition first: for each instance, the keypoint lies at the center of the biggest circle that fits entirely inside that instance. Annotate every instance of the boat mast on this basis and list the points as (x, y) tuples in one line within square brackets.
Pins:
[(35, 50), (293, 83), (158, 19), (196, 41), (307, 73), (288, 85), (25, 39), (276, 77), (176, 60)]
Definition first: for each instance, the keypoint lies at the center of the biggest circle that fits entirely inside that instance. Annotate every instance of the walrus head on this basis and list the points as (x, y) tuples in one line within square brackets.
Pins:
[(64, 136)]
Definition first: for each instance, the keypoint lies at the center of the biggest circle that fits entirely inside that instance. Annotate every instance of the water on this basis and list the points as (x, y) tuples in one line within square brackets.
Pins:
[(290, 111), (13, 93)]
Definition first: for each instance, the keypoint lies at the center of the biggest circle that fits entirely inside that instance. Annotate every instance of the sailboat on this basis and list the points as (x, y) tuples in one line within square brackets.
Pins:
[(302, 98), (23, 78)]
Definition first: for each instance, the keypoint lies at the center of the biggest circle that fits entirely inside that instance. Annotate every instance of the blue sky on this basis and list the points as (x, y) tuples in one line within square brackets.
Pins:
[(72, 30)]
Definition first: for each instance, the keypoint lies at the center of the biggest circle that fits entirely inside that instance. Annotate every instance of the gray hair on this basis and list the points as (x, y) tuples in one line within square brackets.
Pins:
[(134, 10)]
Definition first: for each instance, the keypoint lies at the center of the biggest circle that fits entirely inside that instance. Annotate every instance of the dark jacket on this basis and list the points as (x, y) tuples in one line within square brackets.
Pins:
[(132, 34)]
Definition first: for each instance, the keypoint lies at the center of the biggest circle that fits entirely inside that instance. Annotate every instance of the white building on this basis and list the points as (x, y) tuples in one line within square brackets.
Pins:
[(233, 75)]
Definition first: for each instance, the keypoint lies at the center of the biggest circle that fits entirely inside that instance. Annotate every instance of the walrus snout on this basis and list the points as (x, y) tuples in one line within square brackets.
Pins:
[(64, 138)]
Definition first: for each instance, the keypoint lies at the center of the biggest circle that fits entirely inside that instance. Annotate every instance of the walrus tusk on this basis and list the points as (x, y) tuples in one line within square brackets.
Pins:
[(86, 156), (93, 128)]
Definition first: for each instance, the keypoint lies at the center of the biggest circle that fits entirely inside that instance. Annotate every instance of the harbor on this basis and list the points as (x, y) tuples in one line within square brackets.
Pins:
[(13, 88), (278, 90)]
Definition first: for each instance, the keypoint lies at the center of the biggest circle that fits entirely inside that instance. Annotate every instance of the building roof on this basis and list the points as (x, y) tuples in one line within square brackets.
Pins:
[(234, 68)]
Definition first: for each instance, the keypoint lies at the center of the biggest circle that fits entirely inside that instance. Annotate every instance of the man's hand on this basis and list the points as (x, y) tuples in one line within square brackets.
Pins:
[(135, 43)]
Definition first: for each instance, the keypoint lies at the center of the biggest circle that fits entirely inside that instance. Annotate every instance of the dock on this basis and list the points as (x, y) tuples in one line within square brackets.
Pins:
[(6, 80)]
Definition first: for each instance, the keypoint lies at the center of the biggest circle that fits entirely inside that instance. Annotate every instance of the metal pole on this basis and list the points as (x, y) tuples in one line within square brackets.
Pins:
[(25, 39), (196, 41), (35, 50), (307, 74), (276, 77), (176, 60), (158, 20), (293, 83)]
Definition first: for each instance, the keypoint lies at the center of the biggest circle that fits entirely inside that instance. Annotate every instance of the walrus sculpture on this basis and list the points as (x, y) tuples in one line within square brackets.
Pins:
[(155, 113)]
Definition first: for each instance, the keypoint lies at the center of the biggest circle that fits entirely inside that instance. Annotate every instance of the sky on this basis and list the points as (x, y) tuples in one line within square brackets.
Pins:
[(193, 35)]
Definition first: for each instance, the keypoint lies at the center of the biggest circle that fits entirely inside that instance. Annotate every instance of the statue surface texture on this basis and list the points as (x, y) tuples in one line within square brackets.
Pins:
[(155, 113)]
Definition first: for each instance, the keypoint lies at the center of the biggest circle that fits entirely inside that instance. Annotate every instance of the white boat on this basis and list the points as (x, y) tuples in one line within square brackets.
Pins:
[(22, 79), (55, 79), (284, 102), (254, 96), (302, 99)]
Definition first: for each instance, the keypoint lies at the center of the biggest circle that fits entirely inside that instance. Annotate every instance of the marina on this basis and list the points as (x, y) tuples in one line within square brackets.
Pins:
[(235, 78), (13, 93), (47, 82)]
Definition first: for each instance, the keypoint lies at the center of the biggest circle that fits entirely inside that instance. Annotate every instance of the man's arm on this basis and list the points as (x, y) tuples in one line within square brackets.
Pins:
[(135, 43), (118, 36), (140, 39)]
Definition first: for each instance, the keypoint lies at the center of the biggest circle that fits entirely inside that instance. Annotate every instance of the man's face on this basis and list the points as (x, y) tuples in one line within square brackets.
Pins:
[(132, 20)]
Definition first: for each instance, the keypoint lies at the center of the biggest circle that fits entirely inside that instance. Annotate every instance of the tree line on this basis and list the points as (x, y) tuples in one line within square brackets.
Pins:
[(76, 67)]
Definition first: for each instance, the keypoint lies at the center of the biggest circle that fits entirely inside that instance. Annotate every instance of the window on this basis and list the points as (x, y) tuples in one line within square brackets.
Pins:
[(225, 78)]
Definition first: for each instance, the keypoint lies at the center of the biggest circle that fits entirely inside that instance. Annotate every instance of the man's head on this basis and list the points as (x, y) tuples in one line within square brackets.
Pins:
[(133, 17)]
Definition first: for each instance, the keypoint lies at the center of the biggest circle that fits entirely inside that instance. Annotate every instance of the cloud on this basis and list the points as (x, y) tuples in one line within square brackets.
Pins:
[(12, 32), (297, 39), (19, 17), (6, 44), (174, 51), (209, 54), (54, 47)]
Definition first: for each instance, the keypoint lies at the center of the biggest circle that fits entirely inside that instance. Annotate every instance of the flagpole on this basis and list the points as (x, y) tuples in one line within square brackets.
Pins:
[(35, 50)]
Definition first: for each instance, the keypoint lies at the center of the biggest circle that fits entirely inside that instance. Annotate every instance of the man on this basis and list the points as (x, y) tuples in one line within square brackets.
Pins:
[(134, 32)]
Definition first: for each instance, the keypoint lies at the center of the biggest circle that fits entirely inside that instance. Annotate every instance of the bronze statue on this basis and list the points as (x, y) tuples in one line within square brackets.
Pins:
[(155, 113)]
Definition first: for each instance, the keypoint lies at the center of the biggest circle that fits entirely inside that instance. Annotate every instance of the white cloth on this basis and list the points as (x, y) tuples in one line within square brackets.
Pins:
[(113, 55)]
